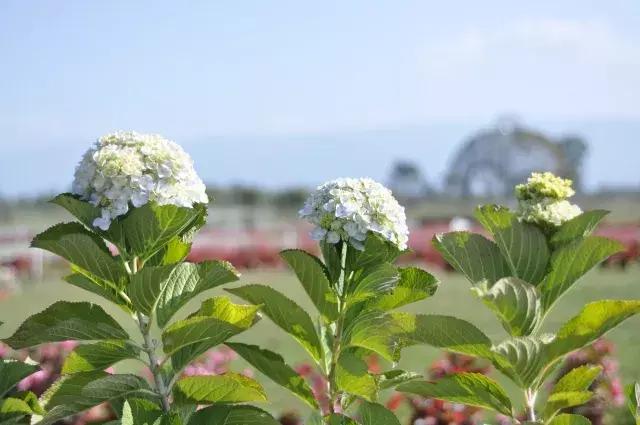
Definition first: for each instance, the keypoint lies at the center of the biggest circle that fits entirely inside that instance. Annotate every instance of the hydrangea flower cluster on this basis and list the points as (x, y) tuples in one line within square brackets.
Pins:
[(346, 209), (545, 185), (543, 200), (126, 168)]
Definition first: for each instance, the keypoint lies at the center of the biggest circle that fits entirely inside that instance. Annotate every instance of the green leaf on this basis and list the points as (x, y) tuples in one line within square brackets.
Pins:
[(378, 280), (331, 253), (578, 227), (515, 302), (74, 393), (151, 226), (18, 407), (473, 255), (568, 419), (285, 313), (174, 251), (137, 411), (562, 400), (86, 250), (415, 284), (12, 372), (451, 334), (232, 415), (82, 210), (473, 389), (226, 388), (376, 414), (86, 213), (376, 250), (523, 245), (595, 319), (63, 321), (146, 286), (382, 333), (98, 356), (167, 288), (217, 320), (31, 399), (314, 277), (577, 379), (526, 358), (352, 376), (571, 261), (83, 280), (12, 408), (633, 400), (392, 378), (273, 366)]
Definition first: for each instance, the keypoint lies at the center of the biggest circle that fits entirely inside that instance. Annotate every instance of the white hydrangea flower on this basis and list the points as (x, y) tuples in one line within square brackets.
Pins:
[(128, 168), (346, 209), (548, 211), (543, 200)]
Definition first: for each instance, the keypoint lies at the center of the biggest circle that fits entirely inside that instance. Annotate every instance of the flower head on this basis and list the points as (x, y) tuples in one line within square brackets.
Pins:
[(129, 168), (545, 185), (347, 209), (543, 200)]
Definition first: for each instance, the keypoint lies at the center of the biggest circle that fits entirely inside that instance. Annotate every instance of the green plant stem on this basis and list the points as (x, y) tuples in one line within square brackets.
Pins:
[(530, 396), (144, 324), (337, 340), (154, 364)]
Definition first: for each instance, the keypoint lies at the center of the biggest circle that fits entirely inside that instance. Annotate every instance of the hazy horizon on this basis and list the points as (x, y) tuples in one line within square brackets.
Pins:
[(293, 160)]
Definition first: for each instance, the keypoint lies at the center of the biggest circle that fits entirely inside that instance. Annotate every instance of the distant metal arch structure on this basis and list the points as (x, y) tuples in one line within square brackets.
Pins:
[(493, 161)]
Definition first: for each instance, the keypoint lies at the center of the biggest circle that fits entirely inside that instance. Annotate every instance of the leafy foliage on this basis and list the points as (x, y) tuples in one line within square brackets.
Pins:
[(469, 388), (355, 293), (572, 389), (99, 356), (16, 407), (273, 366), (232, 415), (515, 302), (520, 274), (148, 279), (65, 320), (227, 388)]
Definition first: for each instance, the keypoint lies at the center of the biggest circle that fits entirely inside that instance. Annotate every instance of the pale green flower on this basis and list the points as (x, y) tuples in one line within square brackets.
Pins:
[(542, 200), (545, 185)]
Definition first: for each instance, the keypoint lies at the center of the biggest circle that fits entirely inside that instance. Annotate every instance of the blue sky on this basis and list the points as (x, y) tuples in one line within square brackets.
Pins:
[(280, 93)]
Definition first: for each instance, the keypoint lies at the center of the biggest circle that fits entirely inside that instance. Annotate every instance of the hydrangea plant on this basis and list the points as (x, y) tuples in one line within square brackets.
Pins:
[(138, 203), (356, 290), (536, 255)]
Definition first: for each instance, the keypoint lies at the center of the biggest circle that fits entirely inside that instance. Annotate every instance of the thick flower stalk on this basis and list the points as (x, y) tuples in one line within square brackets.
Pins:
[(542, 200), (126, 169), (347, 209)]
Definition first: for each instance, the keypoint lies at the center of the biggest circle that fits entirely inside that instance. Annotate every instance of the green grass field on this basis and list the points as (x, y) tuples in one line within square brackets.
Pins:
[(452, 298)]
